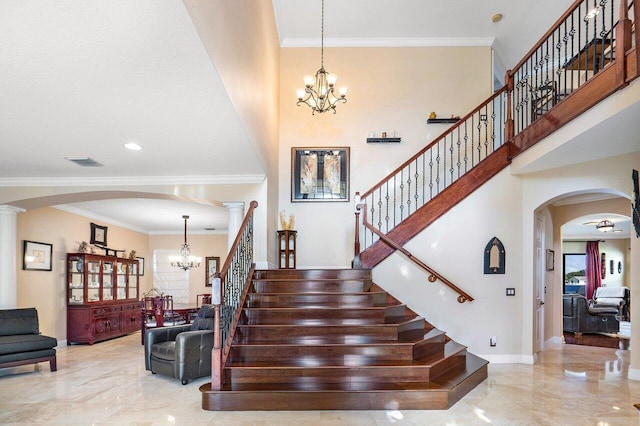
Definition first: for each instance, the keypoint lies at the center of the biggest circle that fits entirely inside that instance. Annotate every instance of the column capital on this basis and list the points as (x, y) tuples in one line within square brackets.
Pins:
[(234, 205), (6, 209)]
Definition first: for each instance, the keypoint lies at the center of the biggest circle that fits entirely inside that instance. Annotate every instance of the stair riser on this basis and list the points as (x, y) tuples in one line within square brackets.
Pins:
[(348, 354), (352, 286), (448, 363), (295, 316), (345, 274), (261, 300), (311, 317), (339, 374), (275, 333), (367, 400)]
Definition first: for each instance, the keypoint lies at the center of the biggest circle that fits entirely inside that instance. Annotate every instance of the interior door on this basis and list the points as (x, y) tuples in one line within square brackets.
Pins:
[(538, 287)]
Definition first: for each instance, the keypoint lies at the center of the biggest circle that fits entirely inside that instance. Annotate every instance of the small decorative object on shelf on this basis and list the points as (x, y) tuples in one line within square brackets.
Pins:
[(132, 254), (432, 115), (83, 247), (287, 220)]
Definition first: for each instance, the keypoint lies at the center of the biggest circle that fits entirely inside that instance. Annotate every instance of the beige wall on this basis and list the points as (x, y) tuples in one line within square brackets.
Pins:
[(390, 89), (202, 246), (65, 231)]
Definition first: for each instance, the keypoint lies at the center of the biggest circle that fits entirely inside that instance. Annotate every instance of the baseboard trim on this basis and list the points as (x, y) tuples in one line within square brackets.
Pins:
[(509, 359), (634, 374)]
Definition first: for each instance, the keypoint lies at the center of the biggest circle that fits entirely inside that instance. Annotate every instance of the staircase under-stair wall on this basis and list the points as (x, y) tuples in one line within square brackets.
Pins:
[(334, 340)]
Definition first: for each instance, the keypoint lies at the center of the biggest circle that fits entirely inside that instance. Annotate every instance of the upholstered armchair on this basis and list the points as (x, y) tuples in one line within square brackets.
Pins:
[(181, 351), (614, 297), (579, 317)]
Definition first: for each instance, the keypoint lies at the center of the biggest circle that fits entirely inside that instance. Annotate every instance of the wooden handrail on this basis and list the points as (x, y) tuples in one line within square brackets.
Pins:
[(463, 296)]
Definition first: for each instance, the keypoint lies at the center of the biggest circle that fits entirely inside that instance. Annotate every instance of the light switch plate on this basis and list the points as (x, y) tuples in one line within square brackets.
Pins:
[(511, 291)]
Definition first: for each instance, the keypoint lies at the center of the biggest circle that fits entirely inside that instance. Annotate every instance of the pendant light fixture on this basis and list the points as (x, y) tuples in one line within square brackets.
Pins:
[(318, 92), (605, 226), (185, 261)]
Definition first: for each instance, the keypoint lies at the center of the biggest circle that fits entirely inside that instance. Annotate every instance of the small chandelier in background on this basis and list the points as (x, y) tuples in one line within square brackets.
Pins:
[(605, 226), (318, 92), (185, 260)]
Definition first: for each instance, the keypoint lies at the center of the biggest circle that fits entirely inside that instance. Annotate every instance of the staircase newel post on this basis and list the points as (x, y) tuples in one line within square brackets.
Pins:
[(357, 262), (216, 352), (636, 33), (623, 40), (509, 130)]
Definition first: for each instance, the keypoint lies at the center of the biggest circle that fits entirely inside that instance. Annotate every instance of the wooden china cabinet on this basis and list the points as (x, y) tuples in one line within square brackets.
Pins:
[(102, 297)]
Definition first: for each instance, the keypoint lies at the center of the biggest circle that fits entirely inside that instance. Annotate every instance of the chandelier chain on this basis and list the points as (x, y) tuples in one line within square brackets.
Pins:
[(322, 38)]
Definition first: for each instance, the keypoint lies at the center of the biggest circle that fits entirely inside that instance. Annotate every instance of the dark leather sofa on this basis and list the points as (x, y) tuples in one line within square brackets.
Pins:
[(182, 351), (21, 342), (579, 317)]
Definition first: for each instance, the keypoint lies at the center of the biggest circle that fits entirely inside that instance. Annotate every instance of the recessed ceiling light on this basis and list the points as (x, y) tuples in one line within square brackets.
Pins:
[(133, 146)]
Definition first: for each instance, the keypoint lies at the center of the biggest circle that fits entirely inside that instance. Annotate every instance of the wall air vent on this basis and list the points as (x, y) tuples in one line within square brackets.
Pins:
[(84, 161)]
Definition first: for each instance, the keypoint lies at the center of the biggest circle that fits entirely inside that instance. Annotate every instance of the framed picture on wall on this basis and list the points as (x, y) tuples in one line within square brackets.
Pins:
[(140, 265), (36, 256), (320, 174), (212, 265), (98, 235), (550, 260)]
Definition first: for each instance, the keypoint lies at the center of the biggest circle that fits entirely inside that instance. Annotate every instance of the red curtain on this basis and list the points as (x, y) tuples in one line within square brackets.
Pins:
[(594, 279)]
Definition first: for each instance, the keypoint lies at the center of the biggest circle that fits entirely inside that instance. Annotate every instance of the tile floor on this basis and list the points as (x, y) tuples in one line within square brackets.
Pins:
[(106, 384)]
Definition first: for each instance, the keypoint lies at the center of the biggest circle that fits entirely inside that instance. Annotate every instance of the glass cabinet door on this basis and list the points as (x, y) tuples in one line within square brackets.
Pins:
[(75, 280), (121, 281), (107, 280), (133, 280), (93, 280)]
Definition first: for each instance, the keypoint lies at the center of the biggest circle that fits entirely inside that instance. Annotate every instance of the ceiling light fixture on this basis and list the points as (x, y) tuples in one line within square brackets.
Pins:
[(605, 226), (318, 93), (185, 260), (133, 146)]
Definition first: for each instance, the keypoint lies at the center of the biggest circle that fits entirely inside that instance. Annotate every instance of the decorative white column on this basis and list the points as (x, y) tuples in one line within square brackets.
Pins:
[(8, 256), (236, 214)]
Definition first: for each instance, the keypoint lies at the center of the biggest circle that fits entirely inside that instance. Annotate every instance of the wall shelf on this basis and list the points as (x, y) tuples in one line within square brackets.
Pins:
[(384, 140), (442, 120)]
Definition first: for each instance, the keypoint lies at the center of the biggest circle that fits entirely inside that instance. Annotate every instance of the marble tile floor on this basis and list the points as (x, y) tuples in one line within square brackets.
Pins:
[(106, 384)]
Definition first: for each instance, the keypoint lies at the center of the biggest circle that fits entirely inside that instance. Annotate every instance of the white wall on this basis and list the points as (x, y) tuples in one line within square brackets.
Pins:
[(454, 246)]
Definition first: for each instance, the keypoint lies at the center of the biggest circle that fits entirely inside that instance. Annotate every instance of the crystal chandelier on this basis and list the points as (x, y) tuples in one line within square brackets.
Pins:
[(318, 92), (185, 260)]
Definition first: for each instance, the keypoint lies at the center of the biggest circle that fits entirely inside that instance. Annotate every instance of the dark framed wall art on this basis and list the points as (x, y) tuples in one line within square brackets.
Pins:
[(98, 235), (212, 265), (320, 174), (140, 265), (36, 256)]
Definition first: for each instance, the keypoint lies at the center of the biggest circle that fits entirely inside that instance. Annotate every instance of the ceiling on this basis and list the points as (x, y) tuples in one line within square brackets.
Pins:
[(584, 228), (80, 79)]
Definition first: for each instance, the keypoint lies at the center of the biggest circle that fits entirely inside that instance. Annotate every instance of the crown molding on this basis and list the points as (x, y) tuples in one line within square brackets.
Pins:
[(90, 215), (131, 180), (104, 219), (390, 42)]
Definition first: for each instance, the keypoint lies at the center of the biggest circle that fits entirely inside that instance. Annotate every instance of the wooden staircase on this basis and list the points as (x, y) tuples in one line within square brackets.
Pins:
[(334, 340)]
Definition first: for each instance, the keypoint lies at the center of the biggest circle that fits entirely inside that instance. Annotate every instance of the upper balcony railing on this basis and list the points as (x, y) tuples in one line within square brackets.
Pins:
[(579, 45), (593, 44)]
